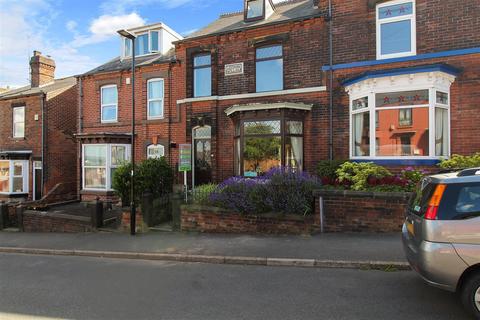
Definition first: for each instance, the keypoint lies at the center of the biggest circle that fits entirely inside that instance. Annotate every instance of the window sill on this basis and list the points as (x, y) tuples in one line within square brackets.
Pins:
[(396, 55), (407, 161)]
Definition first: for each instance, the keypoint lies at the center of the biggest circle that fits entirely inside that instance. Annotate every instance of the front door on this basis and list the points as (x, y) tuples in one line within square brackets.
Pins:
[(37, 174), (202, 151)]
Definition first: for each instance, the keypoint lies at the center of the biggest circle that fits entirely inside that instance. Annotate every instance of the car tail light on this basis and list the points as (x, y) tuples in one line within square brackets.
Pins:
[(432, 210)]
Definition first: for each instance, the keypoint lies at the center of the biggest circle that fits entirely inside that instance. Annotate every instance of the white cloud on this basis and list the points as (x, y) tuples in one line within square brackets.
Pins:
[(71, 26), (122, 6)]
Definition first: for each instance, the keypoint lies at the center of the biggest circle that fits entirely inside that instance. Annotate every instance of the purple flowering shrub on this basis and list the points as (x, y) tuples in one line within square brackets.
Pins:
[(281, 190)]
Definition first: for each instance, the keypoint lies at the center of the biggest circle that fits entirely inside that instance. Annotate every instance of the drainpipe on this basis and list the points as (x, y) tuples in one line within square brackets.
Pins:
[(330, 62), (80, 129), (170, 111), (43, 100)]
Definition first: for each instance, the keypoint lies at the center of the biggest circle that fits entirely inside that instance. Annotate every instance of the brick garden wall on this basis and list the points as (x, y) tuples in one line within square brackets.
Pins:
[(36, 221), (215, 220), (355, 211)]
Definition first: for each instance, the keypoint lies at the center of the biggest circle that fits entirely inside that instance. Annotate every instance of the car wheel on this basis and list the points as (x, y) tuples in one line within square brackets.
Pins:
[(471, 295)]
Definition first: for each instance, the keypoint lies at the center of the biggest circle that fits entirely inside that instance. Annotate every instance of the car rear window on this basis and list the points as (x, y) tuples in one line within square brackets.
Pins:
[(424, 192), (460, 201)]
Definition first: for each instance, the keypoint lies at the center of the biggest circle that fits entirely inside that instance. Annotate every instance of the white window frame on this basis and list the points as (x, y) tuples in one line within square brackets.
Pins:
[(15, 123), (108, 164), (162, 99), (155, 146), (25, 176), (413, 21), (102, 105)]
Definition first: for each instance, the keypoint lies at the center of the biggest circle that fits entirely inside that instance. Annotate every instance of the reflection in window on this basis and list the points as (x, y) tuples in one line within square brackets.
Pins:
[(109, 103), (361, 134), (19, 122), (202, 75), (269, 68), (155, 94), (254, 8), (266, 146), (405, 117), (441, 132)]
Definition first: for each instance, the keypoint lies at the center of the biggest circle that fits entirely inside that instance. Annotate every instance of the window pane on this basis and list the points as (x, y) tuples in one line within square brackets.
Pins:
[(396, 37), (405, 117), (141, 44), (18, 115), (262, 127), (361, 134), (361, 103), (118, 155), (460, 201), (4, 176), (204, 132), (128, 47), (155, 89), (95, 178), (404, 98), (269, 75), (395, 10), (441, 132), (469, 200), (109, 95), (237, 163), (109, 113), (254, 8), (95, 155), (294, 152), (394, 140), (19, 129), (17, 184), (295, 127), (261, 154), (202, 60), (154, 35), (17, 168), (442, 97), (155, 151), (155, 108), (269, 52), (202, 82)]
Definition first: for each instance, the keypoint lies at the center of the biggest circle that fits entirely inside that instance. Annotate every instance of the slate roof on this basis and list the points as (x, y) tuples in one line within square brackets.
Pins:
[(28, 90), (119, 63), (285, 11)]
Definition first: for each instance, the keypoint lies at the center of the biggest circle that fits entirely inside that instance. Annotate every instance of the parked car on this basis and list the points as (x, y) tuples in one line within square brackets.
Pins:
[(441, 234)]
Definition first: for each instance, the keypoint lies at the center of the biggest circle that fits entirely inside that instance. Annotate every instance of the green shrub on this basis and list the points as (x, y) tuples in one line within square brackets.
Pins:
[(154, 175), (201, 194), (328, 168), (458, 162), (358, 173)]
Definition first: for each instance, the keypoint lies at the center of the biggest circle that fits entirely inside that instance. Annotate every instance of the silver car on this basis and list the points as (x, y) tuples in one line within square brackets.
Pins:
[(441, 234)]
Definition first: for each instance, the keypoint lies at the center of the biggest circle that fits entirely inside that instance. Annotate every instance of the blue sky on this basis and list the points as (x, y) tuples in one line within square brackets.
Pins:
[(80, 34)]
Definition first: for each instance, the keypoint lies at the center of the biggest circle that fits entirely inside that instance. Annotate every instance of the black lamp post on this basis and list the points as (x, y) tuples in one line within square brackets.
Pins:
[(128, 35)]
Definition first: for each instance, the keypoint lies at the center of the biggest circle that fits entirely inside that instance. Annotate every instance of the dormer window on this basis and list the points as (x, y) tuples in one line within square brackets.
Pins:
[(258, 9), (255, 9), (145, 43)]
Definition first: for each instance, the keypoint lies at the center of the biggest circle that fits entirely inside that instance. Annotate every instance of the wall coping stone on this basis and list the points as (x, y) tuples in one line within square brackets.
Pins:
[(363, 194)]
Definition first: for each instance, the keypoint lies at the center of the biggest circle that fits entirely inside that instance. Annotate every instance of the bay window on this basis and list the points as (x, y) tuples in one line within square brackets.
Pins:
[(155, 94), (396, 29), (100, 162), (13, 176), (261, 145), (109, 103)]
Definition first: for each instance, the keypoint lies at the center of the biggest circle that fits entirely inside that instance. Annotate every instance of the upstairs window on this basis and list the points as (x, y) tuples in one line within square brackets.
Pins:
[(254, 9), (202, 75), (145, 43), (19, 122), (269, 68), (141, 44), (109, 103), (396, 29), (155, 93), (127, 47)]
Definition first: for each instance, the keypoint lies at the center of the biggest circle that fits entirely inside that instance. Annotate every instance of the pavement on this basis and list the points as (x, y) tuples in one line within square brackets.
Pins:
[(376, 251), (63, 287)]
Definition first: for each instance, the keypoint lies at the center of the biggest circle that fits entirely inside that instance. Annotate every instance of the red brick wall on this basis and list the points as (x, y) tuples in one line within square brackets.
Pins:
[(34, 221), (355, 211), (204, 219)]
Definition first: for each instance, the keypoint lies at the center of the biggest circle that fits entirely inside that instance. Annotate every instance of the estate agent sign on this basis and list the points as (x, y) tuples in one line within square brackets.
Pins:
[(185, 163)]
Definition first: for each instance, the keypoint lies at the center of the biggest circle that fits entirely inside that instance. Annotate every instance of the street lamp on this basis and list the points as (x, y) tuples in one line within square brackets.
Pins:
[(128, 35)]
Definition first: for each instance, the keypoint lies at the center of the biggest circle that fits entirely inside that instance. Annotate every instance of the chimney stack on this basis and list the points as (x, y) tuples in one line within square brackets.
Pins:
[(42, 69)]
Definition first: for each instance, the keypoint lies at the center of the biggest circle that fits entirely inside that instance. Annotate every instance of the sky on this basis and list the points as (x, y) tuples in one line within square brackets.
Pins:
[(81, 34)]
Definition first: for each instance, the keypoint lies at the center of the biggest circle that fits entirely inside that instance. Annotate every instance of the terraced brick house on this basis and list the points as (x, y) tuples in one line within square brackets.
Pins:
[(253, 91), (37, 144), (405, 80), (104, 134)]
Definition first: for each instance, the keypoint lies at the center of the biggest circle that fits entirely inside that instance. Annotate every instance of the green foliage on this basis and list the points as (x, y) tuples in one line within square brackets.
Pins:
[(121, 182), (201, 194), (328, 169), (154, 175), (359, 173), (458, 162)]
